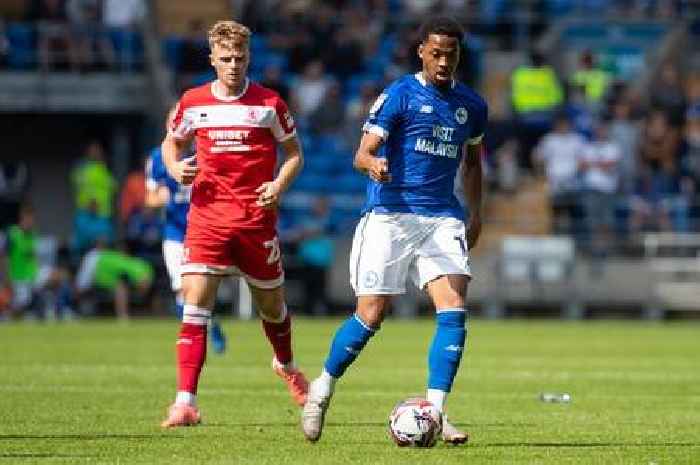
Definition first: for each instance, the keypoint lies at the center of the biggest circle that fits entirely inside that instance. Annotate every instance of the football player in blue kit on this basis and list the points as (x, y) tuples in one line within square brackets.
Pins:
[(163, 191), (422, 132)]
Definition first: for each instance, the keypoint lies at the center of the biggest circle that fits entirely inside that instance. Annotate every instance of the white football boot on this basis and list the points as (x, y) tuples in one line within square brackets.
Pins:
[(314, 412), (451, 435)]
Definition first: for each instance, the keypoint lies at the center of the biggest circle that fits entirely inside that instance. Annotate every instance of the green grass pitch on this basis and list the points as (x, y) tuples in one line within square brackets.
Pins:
[(95, 392)]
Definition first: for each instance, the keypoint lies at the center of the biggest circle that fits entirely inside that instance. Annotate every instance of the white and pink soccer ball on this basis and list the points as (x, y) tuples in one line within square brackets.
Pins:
[(415, 422)]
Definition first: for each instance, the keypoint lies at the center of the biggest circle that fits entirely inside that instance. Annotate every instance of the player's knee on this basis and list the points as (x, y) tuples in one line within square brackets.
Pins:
[(371, 310), (195, 292)]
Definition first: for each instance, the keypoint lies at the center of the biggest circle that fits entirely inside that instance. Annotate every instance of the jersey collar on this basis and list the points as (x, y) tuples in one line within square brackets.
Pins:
[(232, 97), (419, 77)]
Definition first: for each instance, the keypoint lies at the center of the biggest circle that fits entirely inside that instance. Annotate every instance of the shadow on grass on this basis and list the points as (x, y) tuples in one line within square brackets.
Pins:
[(85, 437)]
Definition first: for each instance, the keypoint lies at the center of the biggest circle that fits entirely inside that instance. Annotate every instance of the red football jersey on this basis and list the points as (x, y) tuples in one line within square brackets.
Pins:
[(236, 139)]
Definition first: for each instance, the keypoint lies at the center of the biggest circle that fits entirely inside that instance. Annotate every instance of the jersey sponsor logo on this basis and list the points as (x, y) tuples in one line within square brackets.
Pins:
[(453, 348), (377, 105), (371, 279), (439, 149), (461, 115), (426, 109)]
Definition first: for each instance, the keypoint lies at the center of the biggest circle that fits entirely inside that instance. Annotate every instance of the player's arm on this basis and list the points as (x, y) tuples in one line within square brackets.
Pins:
[(269, 193), (366, 160), (183, 171), (472, 176)]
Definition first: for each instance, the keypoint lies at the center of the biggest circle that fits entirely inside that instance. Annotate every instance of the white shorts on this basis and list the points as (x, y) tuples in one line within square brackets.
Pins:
[(390, 248), (172, 254)]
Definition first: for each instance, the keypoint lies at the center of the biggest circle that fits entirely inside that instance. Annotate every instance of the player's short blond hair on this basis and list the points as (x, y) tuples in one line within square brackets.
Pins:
[(228, 33)]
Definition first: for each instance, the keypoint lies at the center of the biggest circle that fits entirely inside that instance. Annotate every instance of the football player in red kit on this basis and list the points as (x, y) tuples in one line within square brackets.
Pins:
[(231, 226)]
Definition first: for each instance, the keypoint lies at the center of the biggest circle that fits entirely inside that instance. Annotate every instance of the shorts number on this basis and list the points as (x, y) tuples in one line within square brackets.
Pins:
[(274, 246), (462, 246)]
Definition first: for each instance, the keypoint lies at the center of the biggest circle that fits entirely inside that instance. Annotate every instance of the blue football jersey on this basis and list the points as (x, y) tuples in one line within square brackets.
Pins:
[(425, 130), (179, 200)]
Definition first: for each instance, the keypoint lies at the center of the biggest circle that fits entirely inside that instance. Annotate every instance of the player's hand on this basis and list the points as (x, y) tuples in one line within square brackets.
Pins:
[(473, 230), (379, 170), (185, 171), (268, 195)]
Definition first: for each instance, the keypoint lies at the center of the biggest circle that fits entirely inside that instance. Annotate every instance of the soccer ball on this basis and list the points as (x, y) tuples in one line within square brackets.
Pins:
[(415, 422)]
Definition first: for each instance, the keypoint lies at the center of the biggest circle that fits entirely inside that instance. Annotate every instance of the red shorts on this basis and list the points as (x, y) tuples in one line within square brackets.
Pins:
[(251, 253)]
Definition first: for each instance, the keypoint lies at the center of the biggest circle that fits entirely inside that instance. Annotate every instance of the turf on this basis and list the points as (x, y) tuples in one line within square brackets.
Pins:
[(94, 392)]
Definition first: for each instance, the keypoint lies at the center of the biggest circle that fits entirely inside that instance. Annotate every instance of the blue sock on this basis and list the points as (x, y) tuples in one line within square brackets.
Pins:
[(446, 349), (349, 340)]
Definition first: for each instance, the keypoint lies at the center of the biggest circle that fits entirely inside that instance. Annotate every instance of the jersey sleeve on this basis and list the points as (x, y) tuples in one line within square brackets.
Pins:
[(384, 113), (283, 126), (155, 170), (479, 126), (182, 126)]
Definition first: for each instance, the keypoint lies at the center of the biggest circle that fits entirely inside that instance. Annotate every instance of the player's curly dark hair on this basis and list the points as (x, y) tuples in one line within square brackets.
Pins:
[(441, 25)]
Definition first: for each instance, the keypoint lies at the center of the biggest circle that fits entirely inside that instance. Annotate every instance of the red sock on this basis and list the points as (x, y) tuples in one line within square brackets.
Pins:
[(280, 336), (191, 352)]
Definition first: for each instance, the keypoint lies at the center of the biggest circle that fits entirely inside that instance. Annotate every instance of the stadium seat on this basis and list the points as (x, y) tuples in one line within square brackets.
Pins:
[(171, 51), (128, 47), (22, 40)]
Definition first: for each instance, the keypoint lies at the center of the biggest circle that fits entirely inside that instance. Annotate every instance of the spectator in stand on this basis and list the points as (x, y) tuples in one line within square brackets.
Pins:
[(315, 251), (346, 55), (116, 273), (581, 114), (14, 183), (691, 162), (34, 285), (123, 14), (536, 93), (559, 152), (93, 182), (133, 195), (660, 142), (599, 164), (55, 44), (357, 109), (667, 94), (592, 78), (144, 234), (194, 55), (657, 203), (272, 79), (625, 133), (329, 117), (311, 89), (4, 45), (93, 47), (290, 34), (89, 227)]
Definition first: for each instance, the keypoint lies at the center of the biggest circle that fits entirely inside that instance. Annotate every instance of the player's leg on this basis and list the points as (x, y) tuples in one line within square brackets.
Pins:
[(277, 326), (172, 255), (448, 295), (200, 294), (378, 270), (442, 269), (258, 258)]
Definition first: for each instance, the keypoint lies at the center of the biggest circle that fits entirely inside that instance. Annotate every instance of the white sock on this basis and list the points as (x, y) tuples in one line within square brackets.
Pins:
[(187, 398), (436, 397), (325, 383)]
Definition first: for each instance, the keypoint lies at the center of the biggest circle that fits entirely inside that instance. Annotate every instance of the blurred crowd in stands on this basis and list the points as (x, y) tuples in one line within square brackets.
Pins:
[(616, 161)]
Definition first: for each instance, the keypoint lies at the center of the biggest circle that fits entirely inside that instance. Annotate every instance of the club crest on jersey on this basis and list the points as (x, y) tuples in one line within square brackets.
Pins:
[(371, 279), (461, 115), (252, 115)]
